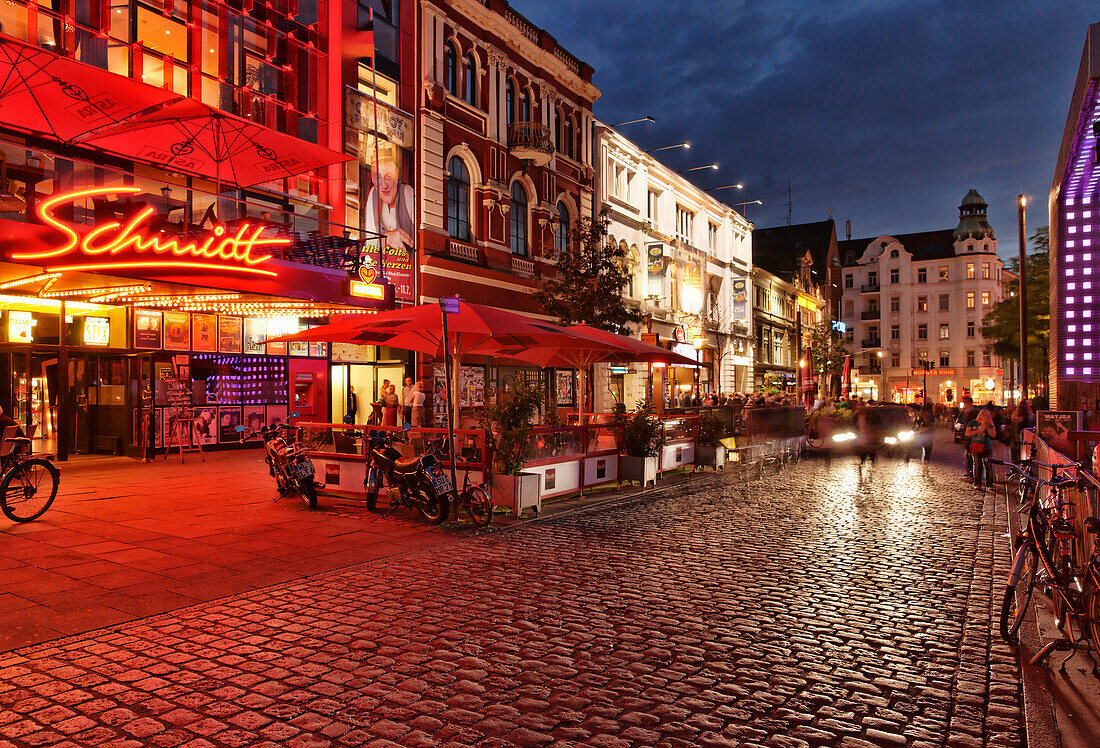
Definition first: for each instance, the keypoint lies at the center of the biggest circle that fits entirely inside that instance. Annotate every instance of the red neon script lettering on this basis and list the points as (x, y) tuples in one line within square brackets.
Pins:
[(217, 251)]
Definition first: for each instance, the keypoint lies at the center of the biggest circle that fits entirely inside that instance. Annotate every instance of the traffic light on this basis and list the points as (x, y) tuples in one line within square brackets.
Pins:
[(949, 395)]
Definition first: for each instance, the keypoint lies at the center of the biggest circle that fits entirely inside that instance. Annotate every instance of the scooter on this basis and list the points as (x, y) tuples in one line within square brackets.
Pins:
[(287, 461), (419, 481)]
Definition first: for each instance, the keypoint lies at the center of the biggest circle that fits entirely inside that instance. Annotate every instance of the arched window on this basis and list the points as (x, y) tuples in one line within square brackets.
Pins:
[(510, 102), (469, 92), (569, 138), (894, 253), (458, 200), (561, 231), (525, 107), (518, 220), (450, 69)]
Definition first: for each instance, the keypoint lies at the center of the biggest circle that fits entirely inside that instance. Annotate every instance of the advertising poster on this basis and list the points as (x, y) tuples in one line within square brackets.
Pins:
[(158, 419), (206, 426), (177, 427), (254, 419), (147, 330), (230, 334), (204, 332), (298, 348), (255, 333), (564, 386), (439, 394), (740, 300), (229, 418), (385, 201), (177, 331), (473, 386), (318, 350), (276, 415), (276, 349), (655, 264), (1053, 427)]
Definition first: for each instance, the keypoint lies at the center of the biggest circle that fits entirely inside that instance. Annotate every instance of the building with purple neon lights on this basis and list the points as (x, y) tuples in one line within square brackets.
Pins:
[(1075, 245)]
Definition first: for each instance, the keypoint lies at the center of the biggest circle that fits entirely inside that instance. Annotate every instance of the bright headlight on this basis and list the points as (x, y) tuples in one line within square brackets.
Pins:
[(891, 440), (904, 436), (844, 436)]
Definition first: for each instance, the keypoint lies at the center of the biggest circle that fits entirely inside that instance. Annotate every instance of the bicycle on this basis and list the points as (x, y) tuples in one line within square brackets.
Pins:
[(474, 497), (1046, 555), (24, 494)]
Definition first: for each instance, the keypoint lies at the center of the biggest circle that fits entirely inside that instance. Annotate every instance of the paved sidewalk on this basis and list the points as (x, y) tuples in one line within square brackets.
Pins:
[(125, 540)]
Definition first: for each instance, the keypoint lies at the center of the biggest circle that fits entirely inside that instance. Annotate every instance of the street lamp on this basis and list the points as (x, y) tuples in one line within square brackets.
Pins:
[(1022, 205), (882, 378), (684, 144), (646, 118), (738, 186), (697, 168), (748, 202), (698, 343)]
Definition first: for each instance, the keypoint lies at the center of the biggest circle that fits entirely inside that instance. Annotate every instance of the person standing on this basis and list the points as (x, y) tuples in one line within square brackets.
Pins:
[(418, 398), (926, 428), (967, 413), (408, 400), (1022, 418), (981, 432), (389, 407), (352, 408)]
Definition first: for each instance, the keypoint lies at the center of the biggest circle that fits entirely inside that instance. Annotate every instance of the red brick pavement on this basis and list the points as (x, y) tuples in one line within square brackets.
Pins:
[(125, 540)]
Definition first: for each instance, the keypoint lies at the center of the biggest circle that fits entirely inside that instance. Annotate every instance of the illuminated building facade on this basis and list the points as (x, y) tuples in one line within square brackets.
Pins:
[(1074, 241)]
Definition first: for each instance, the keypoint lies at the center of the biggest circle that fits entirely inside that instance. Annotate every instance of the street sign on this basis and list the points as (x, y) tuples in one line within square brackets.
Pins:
[(449, 304)]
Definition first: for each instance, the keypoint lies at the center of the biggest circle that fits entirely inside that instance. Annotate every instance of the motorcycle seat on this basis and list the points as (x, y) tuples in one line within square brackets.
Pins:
[(406, 462)]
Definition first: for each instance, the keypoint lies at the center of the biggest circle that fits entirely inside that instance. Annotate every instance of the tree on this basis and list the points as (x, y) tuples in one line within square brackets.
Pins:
[(590, 280), (1001, 325), (827, 352)]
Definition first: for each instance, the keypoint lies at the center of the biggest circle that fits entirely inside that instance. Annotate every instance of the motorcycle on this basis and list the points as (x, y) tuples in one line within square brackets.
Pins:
[(287, 461), (419, 481)]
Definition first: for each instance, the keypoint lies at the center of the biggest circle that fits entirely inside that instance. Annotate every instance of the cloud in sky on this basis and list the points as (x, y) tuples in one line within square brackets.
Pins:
[(884, 112)]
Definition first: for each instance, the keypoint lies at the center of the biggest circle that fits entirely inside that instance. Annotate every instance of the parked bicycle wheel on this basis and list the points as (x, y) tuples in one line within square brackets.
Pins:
[(1092, 610), (479, 506), (28, 489), (1017, 597)]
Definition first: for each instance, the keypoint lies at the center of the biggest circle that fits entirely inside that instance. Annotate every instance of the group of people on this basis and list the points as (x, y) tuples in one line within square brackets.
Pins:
[(410, 404), (736, 400), (982, 426)]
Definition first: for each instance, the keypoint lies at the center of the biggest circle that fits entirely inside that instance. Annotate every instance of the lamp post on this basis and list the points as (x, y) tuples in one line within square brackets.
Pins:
[(747, 202), (685, 145), (737, 186), (646, 118), (882, 379), (1021, 206), (698, 342), (697, 168)]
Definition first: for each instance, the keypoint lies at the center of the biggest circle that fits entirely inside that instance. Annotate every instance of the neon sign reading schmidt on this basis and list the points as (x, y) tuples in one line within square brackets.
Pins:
[(112, 241)]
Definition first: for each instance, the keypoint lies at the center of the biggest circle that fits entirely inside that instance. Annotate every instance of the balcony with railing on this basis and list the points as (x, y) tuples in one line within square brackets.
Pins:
[(531, 141), (871, 343), (870, 288), (871, 314)]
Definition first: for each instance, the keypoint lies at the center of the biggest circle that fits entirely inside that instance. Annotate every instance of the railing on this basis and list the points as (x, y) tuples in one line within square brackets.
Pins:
[(870, 288), (525, 27), (871, 343), (871, 314), (530, 136), (457, 250), (520, 265)]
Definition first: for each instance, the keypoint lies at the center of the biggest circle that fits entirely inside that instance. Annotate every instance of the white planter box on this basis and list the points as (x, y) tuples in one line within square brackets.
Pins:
[(713, 456), (638, 469), (518, 492)]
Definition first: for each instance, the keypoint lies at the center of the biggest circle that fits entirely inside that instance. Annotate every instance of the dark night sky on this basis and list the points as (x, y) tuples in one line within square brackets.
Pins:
[(885, 112)]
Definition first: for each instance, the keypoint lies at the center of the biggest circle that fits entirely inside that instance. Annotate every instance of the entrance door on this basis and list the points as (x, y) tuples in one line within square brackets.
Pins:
[(140, 377)]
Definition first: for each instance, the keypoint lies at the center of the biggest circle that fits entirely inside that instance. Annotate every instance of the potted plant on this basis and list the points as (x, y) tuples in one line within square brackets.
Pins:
[(643, 435), (509, 421), (709, 449)]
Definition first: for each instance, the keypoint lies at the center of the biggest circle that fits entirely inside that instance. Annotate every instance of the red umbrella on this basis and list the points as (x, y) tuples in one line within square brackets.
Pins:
[(46, 93), (198, 139), (639, 350), (846, 378)]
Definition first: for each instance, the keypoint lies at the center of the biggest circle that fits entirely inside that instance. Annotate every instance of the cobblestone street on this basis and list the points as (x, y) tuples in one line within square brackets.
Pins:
[(823, 606)]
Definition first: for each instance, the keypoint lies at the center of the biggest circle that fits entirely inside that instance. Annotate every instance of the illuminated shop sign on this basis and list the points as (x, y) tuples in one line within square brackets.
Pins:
[(20, 327), (118, 245), (369, 286), (97, 331)]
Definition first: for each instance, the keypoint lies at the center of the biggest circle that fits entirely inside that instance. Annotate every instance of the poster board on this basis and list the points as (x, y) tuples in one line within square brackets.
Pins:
[(147, 330), (253, 418), (564, 386), (228, 420), (204, 332), (255, 335), (205, 428), (230, 334), (472, 384), (1053, 427), (177, 331), (276, 415)]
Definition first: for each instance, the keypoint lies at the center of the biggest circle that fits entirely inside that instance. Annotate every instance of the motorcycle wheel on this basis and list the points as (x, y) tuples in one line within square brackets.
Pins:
[(371, 494), (308, 489), (433, 509)]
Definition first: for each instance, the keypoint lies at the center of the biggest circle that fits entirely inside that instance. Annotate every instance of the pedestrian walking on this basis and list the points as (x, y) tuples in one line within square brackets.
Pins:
[(981, 431), (926, 429), (1022, 418)]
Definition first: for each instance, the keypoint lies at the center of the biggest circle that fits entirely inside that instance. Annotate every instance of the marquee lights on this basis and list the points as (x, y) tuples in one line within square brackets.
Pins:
[(102, 291), (218, 251), (20, 282)]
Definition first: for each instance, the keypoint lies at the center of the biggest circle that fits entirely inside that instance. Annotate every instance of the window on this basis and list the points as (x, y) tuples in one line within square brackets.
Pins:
[(985, 298), (945, 359), (985, 271), (849, 258), (850, 336), (570, 139), (849, 308), (922, 331), (469, 91), (895, 303), (945, 331), (970, 329), (969, 299), (561, 231), (944, 277), (510, 101), (895, 274), (849, 280), (922, 275), (970, 271), (922, 355), (684, 223), (987, 357), (712, 237), (872, 278), (450, 69), (971, 359), (894, 254), (895, 332), (651, 208), (518, 220), (525, 107), (458, 200), (895, 360), (922, 303), (945, 302)]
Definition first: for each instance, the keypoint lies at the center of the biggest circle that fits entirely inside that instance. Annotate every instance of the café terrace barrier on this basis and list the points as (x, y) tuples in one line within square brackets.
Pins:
[(1085, 503)]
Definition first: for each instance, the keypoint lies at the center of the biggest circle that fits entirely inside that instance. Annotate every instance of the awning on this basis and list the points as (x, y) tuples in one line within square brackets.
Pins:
[(43, 92), (195, 138)]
